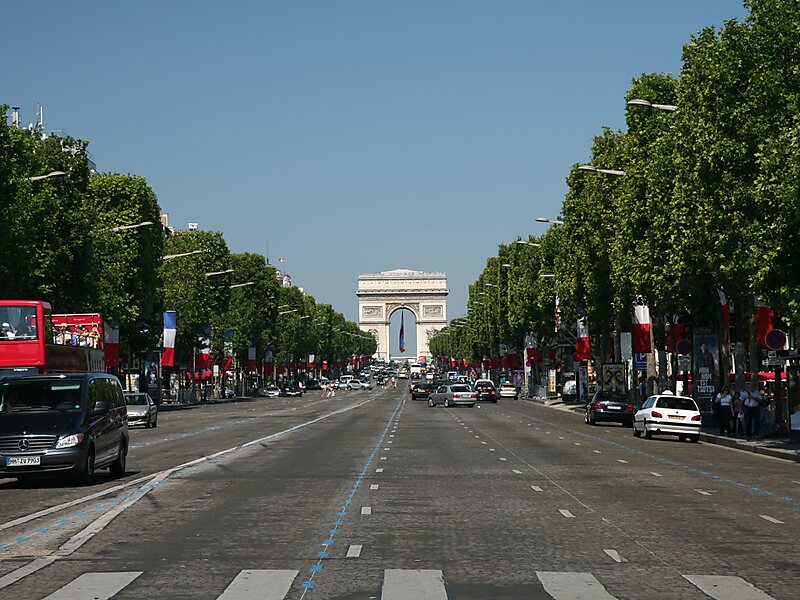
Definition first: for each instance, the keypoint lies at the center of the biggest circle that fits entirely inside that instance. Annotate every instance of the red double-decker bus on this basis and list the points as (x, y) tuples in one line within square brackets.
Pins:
[(33, 340)]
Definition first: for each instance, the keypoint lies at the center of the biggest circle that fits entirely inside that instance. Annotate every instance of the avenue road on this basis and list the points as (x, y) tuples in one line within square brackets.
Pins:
[(369, 495)]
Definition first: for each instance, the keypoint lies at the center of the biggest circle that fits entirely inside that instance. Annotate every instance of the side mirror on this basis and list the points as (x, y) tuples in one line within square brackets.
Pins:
[(100, 408)]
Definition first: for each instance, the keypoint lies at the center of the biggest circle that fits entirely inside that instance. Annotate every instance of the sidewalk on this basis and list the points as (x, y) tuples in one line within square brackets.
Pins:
[(776, 448)]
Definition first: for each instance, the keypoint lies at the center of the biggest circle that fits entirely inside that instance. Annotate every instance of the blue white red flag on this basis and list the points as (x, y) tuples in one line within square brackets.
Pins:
[(170, 325), (402, 334)]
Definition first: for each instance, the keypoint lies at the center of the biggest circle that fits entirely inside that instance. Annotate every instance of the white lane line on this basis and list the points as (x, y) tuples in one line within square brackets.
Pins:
[(354, 551), (477, 437), (400, 584), (771, 519), (536, 488), (503, 459), (99, 586), (492, 450), (484, 443), (391, 435), (571, 586), (374, 486), (577, 443), (379, 470), (386, 449), (654, 474), (566, 513), (702, 492), (383, 458), (615, 556), (262, 584), (727, 587), (366, 510), (390, 442), (622, 461), (597, 451), (517, 471), (561, 437)]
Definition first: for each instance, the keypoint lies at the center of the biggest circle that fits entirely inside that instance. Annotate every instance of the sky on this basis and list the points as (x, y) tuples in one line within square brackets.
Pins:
[(347, 136)]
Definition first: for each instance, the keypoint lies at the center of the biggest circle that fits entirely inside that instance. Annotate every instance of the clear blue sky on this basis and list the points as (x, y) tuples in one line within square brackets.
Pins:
[(356, 136)]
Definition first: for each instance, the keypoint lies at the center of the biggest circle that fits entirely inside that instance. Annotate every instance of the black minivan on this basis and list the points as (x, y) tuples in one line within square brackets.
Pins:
[(62, 425)]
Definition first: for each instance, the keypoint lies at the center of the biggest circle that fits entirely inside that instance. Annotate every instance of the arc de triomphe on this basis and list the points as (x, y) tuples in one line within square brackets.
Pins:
[(381, 294)]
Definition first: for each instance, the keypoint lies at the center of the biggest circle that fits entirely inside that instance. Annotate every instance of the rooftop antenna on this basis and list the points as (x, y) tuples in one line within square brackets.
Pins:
[(15, 116)]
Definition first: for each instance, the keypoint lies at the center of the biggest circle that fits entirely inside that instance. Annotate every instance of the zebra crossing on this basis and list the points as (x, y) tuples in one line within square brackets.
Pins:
[(399, 584)]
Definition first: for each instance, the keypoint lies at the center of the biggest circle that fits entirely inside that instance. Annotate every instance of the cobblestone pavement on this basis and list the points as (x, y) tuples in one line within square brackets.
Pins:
[(373, 496)]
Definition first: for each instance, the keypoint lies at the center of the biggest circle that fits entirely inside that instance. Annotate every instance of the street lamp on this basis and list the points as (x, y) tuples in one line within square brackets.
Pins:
[(506, 265), (286, 312), (526, 243), (544, 220), (546, 275), (127, 227), (48, 176), (215, 273), (615, 172), (238, 285), (648, 104), (171, 256), (494, 285)]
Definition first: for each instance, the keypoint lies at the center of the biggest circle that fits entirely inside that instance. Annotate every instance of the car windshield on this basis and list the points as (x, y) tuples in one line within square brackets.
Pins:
[(610, 397), (484, 385), (136, 400), (460, 388), (18, 323), (31, 396), (677, 403)]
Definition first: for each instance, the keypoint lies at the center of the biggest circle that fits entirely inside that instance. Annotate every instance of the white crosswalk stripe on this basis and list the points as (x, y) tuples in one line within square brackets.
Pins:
[(573, 586), (727, 587), (262, 584), (400, 584), (98, 586)]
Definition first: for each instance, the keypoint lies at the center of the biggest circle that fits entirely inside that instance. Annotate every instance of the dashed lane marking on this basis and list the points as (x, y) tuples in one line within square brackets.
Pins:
[(374, 486), (702, 492), (654, 474), (727, 587), (366, 510), (379, 470), (517, 471), (266, 584), (354, 551), (771, 519), (622, 461), (503, 459), (615, 556), (566, 513), (536, 488), (99, 586)]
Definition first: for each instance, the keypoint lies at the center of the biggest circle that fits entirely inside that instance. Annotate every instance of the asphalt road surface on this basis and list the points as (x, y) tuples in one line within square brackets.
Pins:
[(369, 495)]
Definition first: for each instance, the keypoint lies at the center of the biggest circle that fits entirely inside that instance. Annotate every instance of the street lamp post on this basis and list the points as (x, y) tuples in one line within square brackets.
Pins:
[(648, 104), (182, 254), (49, 175), (545, 220), (127, 227), (614, 172)]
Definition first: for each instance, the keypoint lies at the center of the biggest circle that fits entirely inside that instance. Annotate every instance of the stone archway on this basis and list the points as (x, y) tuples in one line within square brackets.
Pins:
[(381, 294)]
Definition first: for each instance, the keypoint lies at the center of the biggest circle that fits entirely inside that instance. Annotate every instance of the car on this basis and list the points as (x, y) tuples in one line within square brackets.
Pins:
[(229, 393), (508, 390), (421, 390), (452, 394), (344, 382), (609, 406), (366, 383), (402, 375), (141, 410), (63, 425), (354, 384), (668, 414), (313, 384), (292, 390), (271, 391), (485, 390)]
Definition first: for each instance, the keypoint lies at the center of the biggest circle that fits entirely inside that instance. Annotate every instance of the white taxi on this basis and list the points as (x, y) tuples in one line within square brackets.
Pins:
[(668, 414)]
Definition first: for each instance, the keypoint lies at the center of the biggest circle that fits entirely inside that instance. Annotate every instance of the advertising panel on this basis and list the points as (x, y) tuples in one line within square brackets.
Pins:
[(613, 378), (706, 367)]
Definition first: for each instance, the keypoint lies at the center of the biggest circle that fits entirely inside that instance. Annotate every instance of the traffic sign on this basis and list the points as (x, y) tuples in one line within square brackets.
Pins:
[(640, 360), (683, 346), (775, 339)]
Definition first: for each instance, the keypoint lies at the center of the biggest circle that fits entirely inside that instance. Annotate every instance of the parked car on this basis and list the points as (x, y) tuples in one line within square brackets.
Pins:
[(421, 390), (271, 391), (66, 425), (669, 414), (452, 394), (609, 406), (229, 393), (508, 390), (485, 390), (141, 410)]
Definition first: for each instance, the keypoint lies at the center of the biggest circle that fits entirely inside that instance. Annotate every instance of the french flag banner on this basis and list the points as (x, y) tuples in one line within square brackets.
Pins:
[(204, 355), (170, 324), (763, 317), (582, 348), (111, 345), (640, 330)]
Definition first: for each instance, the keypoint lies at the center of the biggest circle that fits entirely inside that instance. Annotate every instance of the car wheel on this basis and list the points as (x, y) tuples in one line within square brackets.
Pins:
[(431, 403), (155, 422), (648, 435), (117, 468), (636, 432), (86, 474), (592, 420), (446, 403)]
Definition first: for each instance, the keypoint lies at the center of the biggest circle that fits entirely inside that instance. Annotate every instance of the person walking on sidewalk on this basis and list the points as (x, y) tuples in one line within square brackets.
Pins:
[(737, 415), (766, 413), (723, 401), (751, 400)]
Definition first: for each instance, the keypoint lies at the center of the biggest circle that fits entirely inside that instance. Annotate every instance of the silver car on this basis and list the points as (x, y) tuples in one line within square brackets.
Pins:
[(452, 394), (141, 410)]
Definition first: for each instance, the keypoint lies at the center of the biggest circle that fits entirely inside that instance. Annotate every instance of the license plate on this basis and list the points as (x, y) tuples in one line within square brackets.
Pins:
[(676, 417), (613, 408), (22, 461)]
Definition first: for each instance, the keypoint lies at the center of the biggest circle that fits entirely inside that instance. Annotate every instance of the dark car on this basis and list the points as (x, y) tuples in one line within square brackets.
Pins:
[(485, 390), (609, 406), (313, 384), (421, 390), (65, 425), (292, 390)]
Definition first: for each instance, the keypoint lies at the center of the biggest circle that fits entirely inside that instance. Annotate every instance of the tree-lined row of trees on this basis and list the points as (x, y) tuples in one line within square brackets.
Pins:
[(68, 240), (707, 198)]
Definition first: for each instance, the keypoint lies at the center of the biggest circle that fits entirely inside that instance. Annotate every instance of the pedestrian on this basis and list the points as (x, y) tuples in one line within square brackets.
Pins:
[(751, 399), (393, 382), (723, 402), (737, 415), (766, 412)]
